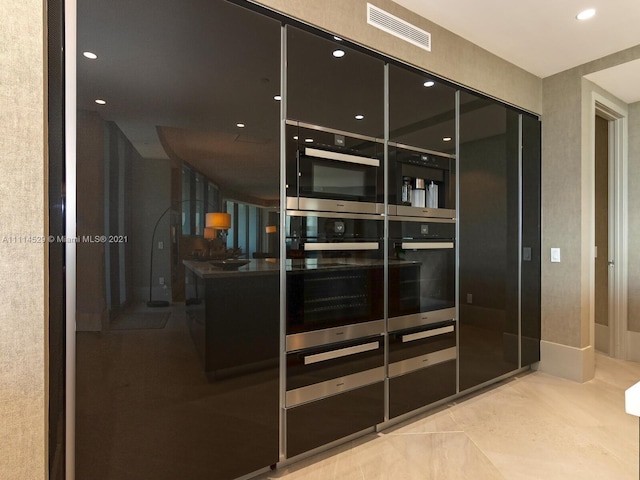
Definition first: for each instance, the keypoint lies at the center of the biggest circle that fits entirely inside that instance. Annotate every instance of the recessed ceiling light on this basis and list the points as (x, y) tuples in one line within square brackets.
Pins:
[(277, 97), (100, 101), (429, 83), (338, 53), (446, 139), (337, 38), (90, 55), (308, 140), (359, 117), (240, 125), (586, 14)]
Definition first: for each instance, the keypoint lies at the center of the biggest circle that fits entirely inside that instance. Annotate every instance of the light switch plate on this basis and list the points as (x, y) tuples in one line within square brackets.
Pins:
[(526, 254), (555, 255)]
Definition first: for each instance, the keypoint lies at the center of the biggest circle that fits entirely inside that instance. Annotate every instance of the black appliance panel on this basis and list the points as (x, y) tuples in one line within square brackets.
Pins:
[(335, 272), (422, 366), (422, 387), (322, 164), (317, 423), (421, 267), (328, 362)]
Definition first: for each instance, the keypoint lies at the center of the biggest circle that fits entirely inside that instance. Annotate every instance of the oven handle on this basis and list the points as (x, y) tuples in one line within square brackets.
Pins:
[(342, 157), (426, 334), (322, 246), (342, 352), (426, 245)]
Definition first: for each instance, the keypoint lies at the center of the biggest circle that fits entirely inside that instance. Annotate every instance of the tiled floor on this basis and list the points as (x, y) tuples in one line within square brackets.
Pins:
[(533, 426)]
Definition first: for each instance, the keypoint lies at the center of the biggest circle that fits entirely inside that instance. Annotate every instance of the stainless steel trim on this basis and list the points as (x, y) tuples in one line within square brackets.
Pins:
[(427, 333), (421, 150), (298, 341), (360, 216), (386, 233), (341, 157), (321, 204), (426, 245), (324, 246), (310, 126), (397, 218), (71, 182), (416, 363), (282, 247), (292, 203), (419, 319), (406, 210), (457, 252), (341, 352), (331, 387), (520, 203)]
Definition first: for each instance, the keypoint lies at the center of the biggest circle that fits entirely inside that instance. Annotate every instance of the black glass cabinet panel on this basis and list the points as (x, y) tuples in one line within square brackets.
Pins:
[(530, 317), (488, 242), (332, 89), (156, 398)]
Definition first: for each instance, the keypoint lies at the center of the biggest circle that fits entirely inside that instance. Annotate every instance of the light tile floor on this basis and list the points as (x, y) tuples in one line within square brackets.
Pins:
[(532, 426)]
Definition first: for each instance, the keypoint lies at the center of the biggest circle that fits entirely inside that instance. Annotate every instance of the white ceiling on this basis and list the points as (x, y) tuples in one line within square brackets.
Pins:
[(541, 36)]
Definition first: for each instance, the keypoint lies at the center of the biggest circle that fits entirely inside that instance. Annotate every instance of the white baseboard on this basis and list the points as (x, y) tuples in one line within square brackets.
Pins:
[(633, 346), (602, 338), (577, 364)]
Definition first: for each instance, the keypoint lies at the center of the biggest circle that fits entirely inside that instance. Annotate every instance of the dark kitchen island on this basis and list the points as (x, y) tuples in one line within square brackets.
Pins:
[(233, 316)]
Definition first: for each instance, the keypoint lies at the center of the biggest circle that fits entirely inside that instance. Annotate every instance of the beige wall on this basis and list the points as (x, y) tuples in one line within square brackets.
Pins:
[(22, 265), (567, 169), (451, 56)]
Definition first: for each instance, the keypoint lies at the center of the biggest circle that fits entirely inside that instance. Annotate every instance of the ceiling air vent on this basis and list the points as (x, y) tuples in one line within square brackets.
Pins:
[(398, 27)]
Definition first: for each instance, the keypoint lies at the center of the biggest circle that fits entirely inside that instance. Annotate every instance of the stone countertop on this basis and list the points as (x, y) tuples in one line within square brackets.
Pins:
[(209, 269)]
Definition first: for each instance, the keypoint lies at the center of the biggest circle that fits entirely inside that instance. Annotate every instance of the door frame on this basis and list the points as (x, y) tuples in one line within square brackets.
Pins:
[(616, 115)]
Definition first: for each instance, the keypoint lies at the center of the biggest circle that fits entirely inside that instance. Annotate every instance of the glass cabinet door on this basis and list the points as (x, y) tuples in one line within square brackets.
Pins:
[(332, 85), (488, 242)]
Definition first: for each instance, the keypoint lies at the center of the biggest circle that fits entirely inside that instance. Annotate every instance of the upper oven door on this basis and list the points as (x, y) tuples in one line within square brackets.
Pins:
[(331, 171), (421, 273), (335, 271)]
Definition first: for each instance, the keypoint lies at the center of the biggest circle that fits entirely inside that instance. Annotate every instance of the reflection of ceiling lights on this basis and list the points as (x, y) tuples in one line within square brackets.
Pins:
[(586, 14), (240, 125), (90, 55), (338, 53), (277, 97), (429, 83), (359, 117), (337, 38), (100, 101), (308, 140), (446, 139), (295, 137)]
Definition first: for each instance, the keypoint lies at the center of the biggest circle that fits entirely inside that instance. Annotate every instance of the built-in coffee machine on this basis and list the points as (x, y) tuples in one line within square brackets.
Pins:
[(421, 182)]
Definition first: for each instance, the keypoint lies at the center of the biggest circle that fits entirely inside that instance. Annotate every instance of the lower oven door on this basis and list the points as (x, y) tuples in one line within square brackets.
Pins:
[(333, 391), (421, 282), (422, 366)]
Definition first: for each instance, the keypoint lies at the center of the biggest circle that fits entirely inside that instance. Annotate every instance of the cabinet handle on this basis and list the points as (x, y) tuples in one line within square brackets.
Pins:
[(342, 352), (342, 157), (426, 245), (426, 334), (320, 246)]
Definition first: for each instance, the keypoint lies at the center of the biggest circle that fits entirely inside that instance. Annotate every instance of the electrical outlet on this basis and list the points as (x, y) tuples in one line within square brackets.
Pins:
[(161, 280), (160, 245), (469, 298), (555, 255)]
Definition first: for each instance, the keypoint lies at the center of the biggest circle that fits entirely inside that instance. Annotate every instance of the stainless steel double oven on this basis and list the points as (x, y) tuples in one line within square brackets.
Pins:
[(343, 341), (335, 324)]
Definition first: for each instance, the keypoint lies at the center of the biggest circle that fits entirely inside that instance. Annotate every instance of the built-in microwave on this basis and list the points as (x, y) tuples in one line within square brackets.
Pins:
[(334, 171)]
